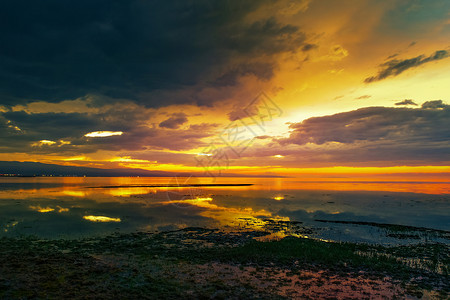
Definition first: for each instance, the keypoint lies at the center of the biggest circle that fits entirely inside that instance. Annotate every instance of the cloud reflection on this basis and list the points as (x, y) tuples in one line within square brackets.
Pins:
[(101, 219)]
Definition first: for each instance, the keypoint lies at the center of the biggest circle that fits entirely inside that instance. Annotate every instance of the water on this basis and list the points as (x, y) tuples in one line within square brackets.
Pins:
[(73, 207)]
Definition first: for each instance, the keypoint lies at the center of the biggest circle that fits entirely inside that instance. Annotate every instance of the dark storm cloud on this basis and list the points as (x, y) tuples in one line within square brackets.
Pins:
[(371, 134), (374, 123), (406, 102), (22, 132), (55, 125), (175, 121), (61, 49), (263, 71), (395, 67)]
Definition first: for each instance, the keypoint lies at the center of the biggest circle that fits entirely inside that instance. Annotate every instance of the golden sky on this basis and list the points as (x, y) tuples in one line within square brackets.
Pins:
[(352, 87)]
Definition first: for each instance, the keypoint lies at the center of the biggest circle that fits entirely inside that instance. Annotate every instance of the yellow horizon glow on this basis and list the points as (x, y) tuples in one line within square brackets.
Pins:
[(439, 173)]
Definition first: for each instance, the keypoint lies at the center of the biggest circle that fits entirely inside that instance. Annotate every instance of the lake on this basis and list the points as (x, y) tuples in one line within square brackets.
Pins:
[(74, 207)]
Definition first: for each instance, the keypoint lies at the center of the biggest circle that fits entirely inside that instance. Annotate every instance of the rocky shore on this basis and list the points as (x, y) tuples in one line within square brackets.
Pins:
[(213, 264)]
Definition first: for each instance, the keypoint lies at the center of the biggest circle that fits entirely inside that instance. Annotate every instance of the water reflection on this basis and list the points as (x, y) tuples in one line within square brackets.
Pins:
[(101, 219), (71, 207)]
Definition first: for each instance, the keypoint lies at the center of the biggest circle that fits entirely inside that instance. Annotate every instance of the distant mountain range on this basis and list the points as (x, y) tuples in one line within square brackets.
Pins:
[(40, 169)]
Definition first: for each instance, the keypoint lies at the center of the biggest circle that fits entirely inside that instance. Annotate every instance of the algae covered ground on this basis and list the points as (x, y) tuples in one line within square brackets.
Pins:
[(213, 264)]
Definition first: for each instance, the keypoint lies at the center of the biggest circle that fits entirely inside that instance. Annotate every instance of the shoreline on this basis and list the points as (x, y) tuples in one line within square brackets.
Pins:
[(209, 263)]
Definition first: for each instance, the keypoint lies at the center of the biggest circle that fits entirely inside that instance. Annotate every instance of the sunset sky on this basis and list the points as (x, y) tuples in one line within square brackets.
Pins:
[(354, 87)]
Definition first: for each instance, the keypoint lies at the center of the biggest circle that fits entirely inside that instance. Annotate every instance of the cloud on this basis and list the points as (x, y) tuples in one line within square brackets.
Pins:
[(263, 137), (372, 134), (204, 126), (374, 123), (261, 70), (406, 102), (338, 52), (395, 67), (55, 125), (392, 56), (363, 97), (154, 53), (175, 121), (335, 53), (309, 47), (434, 104), (121, 128)]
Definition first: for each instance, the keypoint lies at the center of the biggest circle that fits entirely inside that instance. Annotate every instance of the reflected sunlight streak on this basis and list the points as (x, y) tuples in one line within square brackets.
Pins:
[(101, 219)]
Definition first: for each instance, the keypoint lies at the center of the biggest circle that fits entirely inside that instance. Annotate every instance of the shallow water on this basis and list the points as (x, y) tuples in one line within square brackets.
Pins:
[(72, 207)]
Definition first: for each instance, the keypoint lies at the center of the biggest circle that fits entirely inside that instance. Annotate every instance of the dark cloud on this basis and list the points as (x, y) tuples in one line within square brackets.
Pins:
[(238, 112), (406, 102), (152, 138), (392, 56), (175, 121), (308, 47), (204, 126), (22, 132), (263, 137), (134, 49), (374, 123), (263, 71), (395, 67), (434, 104), (56, 125), (363, 97), (371, 134)]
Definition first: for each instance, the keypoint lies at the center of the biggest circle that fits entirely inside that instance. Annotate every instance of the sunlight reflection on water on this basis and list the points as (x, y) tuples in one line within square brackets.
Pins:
[(74, 207)]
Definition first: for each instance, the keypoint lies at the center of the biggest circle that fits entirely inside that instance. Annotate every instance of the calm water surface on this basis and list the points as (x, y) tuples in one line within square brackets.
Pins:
[(72, 207)]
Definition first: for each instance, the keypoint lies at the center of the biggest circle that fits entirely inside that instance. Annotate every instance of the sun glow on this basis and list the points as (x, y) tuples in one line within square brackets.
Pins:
[(43, 142), (103, 133), (129, 159)]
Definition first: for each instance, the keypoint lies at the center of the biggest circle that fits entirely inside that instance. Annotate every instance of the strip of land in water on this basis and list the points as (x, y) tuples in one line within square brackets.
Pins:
[(169, 185), (391, 227)]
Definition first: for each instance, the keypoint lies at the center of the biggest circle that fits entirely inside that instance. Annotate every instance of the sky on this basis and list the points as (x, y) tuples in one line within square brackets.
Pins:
[(274, 88)]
